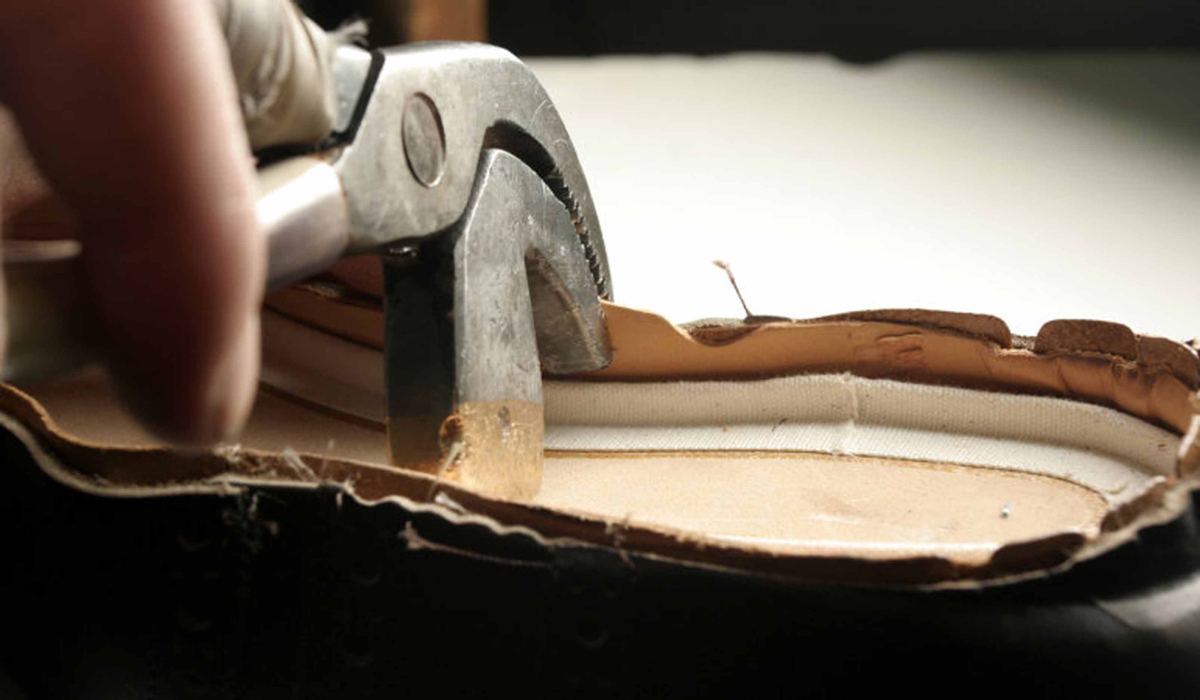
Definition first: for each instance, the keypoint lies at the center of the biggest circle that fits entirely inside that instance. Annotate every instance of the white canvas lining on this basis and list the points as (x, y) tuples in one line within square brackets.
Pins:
[(1115, 454)]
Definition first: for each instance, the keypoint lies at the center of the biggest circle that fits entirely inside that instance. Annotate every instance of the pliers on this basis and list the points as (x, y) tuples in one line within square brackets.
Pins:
[(450, 162)]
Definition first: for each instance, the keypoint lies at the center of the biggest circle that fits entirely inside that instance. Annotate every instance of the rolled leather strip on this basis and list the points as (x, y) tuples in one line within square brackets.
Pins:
[(281, 62)]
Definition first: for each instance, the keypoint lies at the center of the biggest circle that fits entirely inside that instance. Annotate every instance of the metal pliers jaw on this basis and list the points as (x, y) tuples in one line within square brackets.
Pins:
[(453, 165)]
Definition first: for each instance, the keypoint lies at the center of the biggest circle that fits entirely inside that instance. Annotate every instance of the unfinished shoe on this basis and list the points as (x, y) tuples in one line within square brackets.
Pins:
[(833, 506)]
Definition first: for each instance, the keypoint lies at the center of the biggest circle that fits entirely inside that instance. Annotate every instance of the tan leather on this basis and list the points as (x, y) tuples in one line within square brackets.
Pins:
[(770, 512), (793, 502), (1151, 378), (806, 503), (116, 471)]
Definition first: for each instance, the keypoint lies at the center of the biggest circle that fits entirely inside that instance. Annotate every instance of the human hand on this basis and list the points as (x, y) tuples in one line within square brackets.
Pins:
[(130, 109)]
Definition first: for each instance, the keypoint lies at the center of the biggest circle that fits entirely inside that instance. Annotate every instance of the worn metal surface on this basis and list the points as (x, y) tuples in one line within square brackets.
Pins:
[(486, 98), (457, 167), (351, 69), (472, 320), (303, 209), (424, 141)]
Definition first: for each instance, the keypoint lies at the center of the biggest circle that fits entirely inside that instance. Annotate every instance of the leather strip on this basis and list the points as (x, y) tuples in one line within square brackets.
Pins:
[(932, 348)]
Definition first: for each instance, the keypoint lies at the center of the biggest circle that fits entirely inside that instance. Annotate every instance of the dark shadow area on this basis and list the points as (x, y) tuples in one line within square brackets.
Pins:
[(857, 30), (854, 30)]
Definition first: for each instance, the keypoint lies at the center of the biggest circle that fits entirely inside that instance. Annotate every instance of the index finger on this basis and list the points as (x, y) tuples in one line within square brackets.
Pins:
[(130, 110)]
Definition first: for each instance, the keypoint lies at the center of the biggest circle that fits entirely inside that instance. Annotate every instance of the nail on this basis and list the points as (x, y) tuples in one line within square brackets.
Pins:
[(232, 387)]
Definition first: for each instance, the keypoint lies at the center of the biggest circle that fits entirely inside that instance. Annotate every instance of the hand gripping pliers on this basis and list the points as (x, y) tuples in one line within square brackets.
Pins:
[(450, 162)]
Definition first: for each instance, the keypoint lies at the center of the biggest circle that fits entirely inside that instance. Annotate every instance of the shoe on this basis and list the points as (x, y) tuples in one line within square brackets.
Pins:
[(835, 506)]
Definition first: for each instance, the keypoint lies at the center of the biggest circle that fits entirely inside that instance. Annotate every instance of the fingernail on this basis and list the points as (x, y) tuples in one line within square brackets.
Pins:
[(232, 387)]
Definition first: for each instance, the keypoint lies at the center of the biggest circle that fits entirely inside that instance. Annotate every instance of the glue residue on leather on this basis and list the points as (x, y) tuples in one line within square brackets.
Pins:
[(500, 446)]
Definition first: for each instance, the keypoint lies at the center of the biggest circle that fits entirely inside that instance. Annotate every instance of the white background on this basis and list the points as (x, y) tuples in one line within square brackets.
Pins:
[(1029, 187)]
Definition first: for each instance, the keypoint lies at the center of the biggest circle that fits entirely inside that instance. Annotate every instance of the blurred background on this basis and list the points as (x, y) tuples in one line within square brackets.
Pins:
[(1032, 160)]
